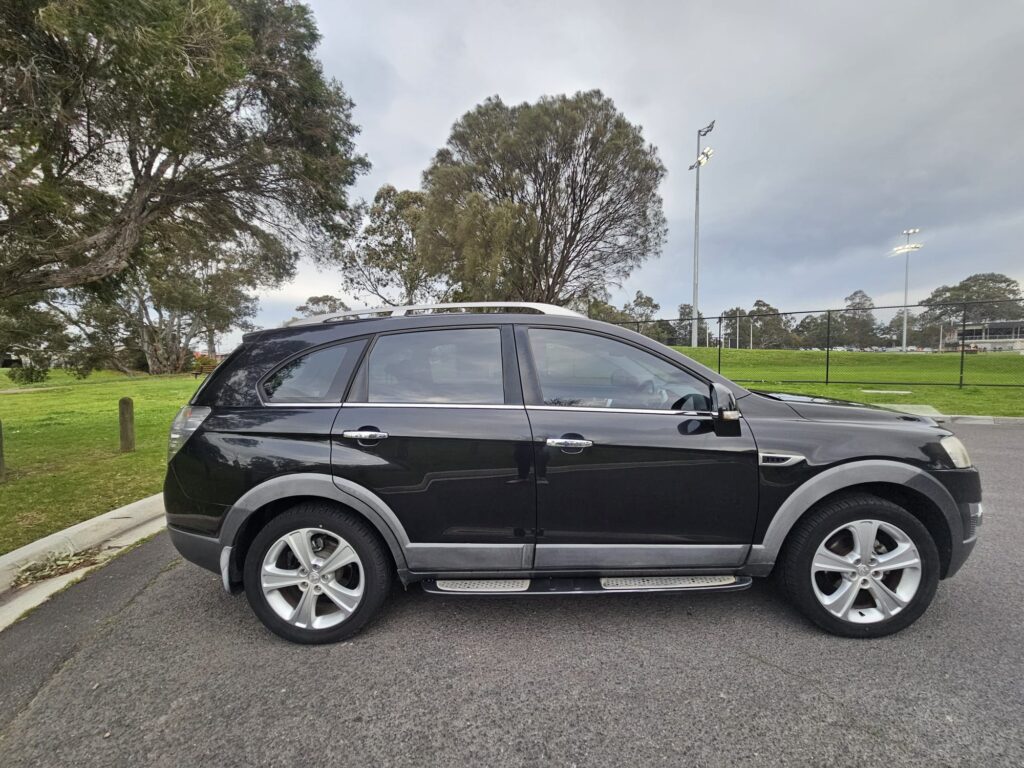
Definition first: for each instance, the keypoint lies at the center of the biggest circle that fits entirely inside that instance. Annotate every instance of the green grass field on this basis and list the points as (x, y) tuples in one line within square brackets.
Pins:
[(61, 446), (874, 367), (783, 370), (61, 436)]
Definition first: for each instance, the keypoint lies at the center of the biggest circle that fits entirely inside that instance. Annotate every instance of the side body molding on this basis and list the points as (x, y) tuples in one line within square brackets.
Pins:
[(762, 556), (352, 495)]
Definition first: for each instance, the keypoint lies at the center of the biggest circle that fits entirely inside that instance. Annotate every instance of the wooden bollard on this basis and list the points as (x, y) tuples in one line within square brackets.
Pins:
[(126, 419)]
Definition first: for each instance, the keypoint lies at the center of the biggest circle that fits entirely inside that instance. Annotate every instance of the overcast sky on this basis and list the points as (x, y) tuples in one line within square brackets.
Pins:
[(837, 126)]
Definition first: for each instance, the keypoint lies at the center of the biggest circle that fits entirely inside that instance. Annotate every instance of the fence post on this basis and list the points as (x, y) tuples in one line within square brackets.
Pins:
[(126, 421), (2, 466), (963, 344), (828, 343), (719, 344)]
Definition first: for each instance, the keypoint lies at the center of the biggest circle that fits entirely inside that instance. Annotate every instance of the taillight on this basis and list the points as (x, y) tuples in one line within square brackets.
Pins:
[(185, 423)]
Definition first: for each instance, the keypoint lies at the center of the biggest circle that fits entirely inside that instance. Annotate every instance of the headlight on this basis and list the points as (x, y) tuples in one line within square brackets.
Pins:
[(185, 423), (956, 452)]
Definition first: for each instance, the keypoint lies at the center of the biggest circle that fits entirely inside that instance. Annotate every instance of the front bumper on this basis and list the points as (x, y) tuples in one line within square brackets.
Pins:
[(972, 515)]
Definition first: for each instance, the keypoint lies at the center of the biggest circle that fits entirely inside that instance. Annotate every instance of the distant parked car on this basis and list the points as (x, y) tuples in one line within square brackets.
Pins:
[(536, 452)]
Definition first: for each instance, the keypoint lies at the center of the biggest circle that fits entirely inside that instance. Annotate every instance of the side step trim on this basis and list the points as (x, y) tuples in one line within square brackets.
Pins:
[(483, 585), (625, 583), (585, 586)]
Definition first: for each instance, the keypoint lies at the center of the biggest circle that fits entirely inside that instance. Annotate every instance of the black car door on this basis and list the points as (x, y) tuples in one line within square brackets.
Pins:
[(435, 426), (630, 470)]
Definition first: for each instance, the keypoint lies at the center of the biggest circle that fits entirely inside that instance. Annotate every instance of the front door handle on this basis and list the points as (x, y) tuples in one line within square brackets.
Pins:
[(569, 444), (367, 435)]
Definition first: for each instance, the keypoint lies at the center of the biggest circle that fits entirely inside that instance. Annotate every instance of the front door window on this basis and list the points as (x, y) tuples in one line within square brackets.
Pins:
[(586, 371)]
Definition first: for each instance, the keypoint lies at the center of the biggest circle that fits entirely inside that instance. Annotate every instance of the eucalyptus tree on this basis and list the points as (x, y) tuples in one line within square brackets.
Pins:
[(181, 293), (208, 116), (384, 263), (542, 201)]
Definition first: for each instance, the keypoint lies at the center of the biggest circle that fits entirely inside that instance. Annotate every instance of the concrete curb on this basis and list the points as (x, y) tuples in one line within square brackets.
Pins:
[(996, 420), (952, 418), (95, 532)]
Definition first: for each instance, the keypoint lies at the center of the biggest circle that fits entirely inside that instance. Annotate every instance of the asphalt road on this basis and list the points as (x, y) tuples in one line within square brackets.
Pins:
[(148, 662)]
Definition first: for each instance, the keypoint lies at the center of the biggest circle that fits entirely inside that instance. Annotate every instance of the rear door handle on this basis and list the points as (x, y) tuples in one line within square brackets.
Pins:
[(364, 434), (569, 444)]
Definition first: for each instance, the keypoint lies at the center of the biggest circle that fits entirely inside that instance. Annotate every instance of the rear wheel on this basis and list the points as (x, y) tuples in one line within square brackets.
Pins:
[(860, 566), (316, 574)]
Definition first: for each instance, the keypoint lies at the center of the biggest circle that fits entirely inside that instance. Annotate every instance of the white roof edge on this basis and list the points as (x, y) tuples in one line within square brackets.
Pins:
[(540, 308)]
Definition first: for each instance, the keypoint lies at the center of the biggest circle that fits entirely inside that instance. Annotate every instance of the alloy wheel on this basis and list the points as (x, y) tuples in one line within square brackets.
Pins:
[(312, 578), (866, 571)]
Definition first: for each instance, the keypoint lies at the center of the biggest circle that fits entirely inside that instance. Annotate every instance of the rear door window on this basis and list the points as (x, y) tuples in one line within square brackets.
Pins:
[(458, 366), (320, 376)]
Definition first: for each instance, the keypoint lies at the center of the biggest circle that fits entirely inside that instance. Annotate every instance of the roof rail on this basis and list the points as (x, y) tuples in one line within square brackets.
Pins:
[(426, 309)]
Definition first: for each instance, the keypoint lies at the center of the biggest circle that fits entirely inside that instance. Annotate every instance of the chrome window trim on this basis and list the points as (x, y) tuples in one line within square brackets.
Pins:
[(303, 405), (487, 406), (596, 409)]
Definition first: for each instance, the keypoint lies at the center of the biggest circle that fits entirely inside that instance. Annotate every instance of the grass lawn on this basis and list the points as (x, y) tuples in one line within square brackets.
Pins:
[(874, 367), (774, 370), (61, 446), (61, 436)]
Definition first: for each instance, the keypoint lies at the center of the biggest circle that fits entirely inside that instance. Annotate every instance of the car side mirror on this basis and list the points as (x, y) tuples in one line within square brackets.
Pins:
[(723, 403)]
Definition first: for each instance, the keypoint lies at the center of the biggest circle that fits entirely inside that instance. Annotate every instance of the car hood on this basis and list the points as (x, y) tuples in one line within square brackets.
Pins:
[(828, 409)]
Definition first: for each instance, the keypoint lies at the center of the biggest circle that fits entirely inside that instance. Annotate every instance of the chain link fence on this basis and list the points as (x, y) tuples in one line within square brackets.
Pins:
[(978, 343)]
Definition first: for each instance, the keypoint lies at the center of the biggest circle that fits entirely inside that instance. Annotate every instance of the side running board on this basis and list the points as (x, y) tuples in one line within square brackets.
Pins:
[(585, 586)]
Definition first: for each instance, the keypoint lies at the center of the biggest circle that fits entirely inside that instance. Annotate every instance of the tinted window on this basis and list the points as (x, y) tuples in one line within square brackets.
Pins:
[(583, 370), (319, 377), (453, 366)]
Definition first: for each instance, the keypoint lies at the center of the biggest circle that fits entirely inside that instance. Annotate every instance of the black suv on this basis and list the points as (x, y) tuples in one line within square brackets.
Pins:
[(526, 450)]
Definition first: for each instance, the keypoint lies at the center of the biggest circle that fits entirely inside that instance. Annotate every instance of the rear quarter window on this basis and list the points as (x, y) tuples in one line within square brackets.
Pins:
[(319, 376)]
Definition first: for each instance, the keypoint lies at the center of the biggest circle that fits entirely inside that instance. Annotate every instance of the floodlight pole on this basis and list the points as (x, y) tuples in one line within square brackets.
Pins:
[(906, 292), (696, 254), (906, 281), (694, 314)]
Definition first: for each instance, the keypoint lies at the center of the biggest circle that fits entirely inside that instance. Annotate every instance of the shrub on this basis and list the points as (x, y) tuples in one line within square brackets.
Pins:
[(27, 374), (200, 360)]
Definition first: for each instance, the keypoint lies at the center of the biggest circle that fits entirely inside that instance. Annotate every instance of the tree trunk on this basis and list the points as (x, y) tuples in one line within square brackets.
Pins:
[(211, 342)]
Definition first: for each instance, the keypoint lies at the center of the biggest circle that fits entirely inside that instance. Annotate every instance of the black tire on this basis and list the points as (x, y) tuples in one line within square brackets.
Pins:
[(795, 562), (375, 569)]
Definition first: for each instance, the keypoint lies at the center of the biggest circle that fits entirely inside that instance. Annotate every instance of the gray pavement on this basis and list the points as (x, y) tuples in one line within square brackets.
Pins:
[(148, 662)]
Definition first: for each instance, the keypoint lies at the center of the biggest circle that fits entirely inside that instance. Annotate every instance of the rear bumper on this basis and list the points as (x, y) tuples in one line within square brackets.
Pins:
[(204, 551)]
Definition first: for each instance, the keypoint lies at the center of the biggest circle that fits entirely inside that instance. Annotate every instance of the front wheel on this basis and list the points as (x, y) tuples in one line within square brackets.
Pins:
[(860, 566), (316, 574)]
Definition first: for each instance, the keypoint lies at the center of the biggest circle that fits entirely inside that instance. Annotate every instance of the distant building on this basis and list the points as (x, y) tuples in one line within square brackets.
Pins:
[(993, 336)]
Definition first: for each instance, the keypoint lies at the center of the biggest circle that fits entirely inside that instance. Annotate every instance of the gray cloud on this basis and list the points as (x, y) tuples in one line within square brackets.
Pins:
[(838, 125)]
